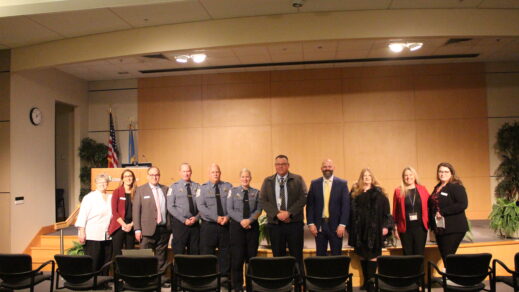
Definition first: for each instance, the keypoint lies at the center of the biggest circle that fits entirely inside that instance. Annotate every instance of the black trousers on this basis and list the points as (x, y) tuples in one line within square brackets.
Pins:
[(213, 235), (101, 253), (287, 234), (244, 245), (448, 243), (159, 243), (186, 239), (122, 239), (327, 235), (413, 240)]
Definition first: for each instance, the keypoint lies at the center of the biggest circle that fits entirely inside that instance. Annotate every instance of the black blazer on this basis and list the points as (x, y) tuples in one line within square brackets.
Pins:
[(452, 202), (338, 206), (296, 189)]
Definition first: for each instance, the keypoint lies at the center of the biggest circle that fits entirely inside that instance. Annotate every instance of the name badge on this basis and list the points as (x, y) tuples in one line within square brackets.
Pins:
[(146, 197), (170, 192), (444, 194), (122, 198), (413, 216)]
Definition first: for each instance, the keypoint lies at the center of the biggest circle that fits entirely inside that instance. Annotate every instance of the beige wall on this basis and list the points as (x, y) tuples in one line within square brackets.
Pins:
[(503, 105), (32, 147), (5, 168), (379, 117)]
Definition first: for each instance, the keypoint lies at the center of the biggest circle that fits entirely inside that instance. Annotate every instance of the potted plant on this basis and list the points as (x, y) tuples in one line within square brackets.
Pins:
[(92, 155), (504, 218), (263, 232), (77, 249)]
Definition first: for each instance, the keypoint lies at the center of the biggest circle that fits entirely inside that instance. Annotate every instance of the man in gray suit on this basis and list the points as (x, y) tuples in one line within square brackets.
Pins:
[(149, 216)]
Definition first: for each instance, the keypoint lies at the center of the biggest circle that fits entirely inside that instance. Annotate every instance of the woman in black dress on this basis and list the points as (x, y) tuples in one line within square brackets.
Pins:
[(447, 205), (370, 222)]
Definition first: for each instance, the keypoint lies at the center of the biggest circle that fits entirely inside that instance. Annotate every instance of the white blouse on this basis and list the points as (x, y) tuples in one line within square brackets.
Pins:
[(94, 215)]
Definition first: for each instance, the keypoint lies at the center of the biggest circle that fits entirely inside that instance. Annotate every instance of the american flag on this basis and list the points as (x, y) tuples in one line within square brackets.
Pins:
[(113, 162)]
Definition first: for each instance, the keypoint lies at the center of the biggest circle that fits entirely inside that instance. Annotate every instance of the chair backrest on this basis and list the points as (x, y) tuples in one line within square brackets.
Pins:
[(72, 268), (12, 264), (128, 266), (272, 268), (475, 265), (329, 268), (196, 265), (400, 266), (145, 252)]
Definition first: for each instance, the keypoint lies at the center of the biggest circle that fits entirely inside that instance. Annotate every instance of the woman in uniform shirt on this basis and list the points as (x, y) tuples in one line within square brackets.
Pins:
[(410, 213), (243, 206)]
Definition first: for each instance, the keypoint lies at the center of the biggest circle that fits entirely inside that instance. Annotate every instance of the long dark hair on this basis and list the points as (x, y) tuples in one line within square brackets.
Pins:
[(454, 178), (133, 185)]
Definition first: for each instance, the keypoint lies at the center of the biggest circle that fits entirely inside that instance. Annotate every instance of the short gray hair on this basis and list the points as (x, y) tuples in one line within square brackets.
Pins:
[(102, 176)]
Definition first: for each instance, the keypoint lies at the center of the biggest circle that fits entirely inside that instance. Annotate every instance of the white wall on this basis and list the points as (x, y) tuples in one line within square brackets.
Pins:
[(121, 96), (32, 147), (503, 106)]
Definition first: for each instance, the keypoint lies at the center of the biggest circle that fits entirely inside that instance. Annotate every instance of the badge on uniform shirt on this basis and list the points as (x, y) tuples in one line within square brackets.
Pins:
[(146, 197), (444, 194), (413, 216), (122, 198), (198, 193), (225, 190), (170, 192), (229, 195)]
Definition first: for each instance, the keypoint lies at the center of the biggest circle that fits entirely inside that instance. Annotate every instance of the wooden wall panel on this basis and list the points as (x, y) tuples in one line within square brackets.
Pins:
[(382, 117), (378, 99), (385, 147), (244, 104), (306, 101), (307, 146), (235, 148)]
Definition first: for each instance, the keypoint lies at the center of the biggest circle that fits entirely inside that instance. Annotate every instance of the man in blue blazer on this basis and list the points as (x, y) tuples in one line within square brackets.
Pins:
[(328, 210)]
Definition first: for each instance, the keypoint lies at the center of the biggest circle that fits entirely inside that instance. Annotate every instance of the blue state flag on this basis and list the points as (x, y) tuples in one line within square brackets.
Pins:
[(132, 149)]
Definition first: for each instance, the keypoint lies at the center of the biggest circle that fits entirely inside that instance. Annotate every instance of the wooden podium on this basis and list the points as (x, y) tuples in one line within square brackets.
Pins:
[(141, 174)]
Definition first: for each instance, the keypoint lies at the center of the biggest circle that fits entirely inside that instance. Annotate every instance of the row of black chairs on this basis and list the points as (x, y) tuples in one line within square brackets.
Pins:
[(464, 272)]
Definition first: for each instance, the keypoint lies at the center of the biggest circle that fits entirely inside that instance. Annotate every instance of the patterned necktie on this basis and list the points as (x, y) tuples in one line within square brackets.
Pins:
[(190, 200), (246, 206), (327, 189), (283, 206), (157, 204), (219, 208)]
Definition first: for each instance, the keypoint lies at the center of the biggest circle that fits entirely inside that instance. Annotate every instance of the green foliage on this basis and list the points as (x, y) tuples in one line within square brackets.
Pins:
[(507, 147), (93, 155), (504, 218), (263, 232), (77, 249)]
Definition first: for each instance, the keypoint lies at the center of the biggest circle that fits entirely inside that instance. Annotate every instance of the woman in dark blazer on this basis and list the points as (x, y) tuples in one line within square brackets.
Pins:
[(121, 224), (447, 205), (370, 222), (410, 213)]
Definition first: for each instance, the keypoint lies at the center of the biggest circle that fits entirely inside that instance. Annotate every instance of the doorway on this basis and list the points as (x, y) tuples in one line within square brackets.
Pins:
[(64, 159)]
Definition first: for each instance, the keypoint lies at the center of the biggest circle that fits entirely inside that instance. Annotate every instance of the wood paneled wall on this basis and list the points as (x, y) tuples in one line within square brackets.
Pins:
[(379, 117)]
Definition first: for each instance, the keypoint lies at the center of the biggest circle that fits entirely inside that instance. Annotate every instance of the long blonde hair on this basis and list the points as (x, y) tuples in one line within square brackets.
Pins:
[(358, 187), (403, 187)]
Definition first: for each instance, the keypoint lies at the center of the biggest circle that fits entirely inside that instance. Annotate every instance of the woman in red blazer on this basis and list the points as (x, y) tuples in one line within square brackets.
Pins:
[(121, 224), (410, 213)]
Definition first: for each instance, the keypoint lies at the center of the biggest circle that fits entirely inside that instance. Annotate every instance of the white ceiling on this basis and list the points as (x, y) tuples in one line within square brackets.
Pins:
[(23, 25)]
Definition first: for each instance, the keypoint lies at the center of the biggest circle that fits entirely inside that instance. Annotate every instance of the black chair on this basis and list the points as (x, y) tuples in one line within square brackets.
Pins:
[(464, 272), (78, 273), (512, 280), (400, 273), (196, 273), (16, 272), (138, 273), (272, 274), (330, 273)]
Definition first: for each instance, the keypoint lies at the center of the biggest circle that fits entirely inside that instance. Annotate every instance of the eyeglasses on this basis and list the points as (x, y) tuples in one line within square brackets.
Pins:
[(280, 164), (125, 176), (154, 174)]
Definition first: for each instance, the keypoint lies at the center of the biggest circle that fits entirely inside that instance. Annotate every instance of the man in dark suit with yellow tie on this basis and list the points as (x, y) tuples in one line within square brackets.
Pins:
[(328, 210)]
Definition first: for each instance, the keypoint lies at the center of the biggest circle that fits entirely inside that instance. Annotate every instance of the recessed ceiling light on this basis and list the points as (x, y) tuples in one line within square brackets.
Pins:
[(414, 46), (396, 47), (198, 58), (182, 58), (399, 47)]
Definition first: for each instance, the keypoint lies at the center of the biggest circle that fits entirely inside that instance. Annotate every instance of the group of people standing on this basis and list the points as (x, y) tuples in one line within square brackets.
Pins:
[(216, 215)]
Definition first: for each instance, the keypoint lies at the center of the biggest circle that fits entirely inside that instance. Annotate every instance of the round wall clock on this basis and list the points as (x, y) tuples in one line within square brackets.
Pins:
[(35, 116)]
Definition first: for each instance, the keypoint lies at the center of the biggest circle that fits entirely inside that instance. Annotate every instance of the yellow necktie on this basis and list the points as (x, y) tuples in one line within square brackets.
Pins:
[(327, 189)]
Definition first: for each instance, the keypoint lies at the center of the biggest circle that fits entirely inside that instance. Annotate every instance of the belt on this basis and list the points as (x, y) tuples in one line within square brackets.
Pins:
[(326, 220)]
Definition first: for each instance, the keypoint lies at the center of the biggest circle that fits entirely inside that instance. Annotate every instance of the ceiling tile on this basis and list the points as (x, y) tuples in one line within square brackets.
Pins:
[(285, 48), (351, 54), (254, 59), (250, 50), (499, 4), (84, 22), (222, 61), (280, 58), (239, 8), (166, 13), (330, 5), (314, 47), (424, 4), (348, 45), (220, 53), (317, 56), (21, 31)]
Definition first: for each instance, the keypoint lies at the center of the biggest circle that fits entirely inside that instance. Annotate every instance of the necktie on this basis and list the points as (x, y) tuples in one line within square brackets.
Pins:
[(190, 200), (327, 188), (246, 206), (157, 204), (219, 208), (283, 206)]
